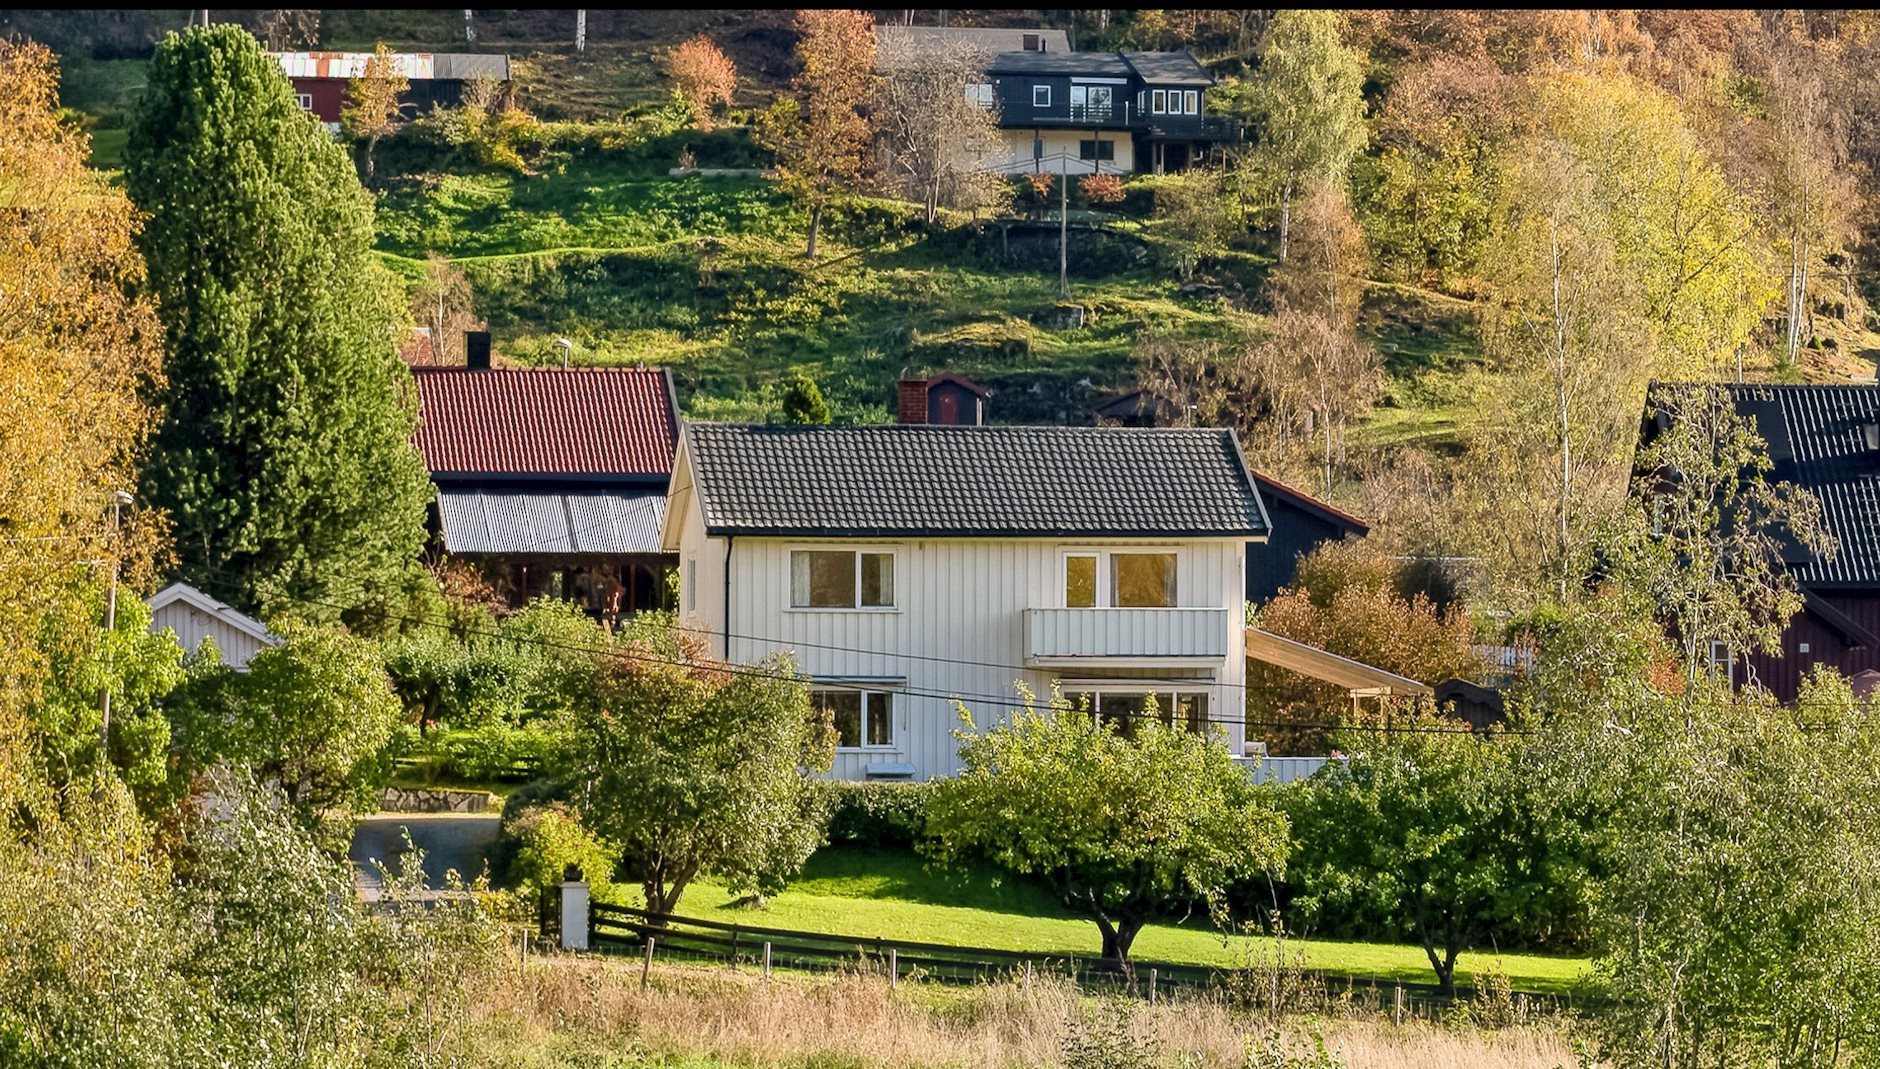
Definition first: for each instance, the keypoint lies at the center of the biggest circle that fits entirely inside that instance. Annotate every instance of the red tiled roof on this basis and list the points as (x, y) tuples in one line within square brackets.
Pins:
[(546, 421)]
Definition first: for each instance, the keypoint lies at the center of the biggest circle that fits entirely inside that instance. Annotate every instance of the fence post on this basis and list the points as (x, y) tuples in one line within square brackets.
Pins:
[(894, 968), (1152, 985), (766, 959), (646, 967), (734, 948), (574, 911), (1396, 1013)]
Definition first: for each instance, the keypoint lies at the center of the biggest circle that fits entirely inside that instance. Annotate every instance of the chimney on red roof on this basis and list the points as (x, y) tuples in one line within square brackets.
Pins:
[(911, 401), (476, 350)]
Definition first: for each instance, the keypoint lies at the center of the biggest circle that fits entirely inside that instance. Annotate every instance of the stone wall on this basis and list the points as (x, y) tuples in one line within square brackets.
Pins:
[(425, 800)]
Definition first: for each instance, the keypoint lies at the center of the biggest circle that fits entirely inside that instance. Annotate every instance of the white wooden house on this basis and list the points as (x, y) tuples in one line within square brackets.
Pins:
[(909, 568), (194, 616)]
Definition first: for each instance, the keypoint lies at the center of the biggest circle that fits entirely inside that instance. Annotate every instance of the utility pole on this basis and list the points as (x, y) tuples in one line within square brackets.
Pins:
[(1064, 228), (119, 499), (580, 29)]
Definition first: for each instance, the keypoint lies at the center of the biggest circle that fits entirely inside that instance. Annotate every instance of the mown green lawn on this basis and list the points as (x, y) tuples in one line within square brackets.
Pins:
[(892, 894)]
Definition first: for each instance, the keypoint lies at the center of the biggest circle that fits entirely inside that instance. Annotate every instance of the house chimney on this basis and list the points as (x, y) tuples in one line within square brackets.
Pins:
[(911, 401), (476, 350)]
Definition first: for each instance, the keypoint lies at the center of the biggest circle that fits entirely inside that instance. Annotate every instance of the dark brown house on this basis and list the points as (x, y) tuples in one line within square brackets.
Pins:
[(1826, 440), (552, 480)]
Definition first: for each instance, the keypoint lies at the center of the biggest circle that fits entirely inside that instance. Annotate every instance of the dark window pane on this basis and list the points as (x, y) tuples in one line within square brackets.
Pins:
[(878, 579), (1192, 712), (822, 579), (1122, 711), (1142, 580), (845, 708), (880, 719)]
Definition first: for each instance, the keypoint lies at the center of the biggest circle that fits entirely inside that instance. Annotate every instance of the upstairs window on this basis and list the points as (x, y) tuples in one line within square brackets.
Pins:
[(1040, 96), (841, 579), (1119, 580), (1191, 102), (864, 719), (1158, 101), (979, 93)]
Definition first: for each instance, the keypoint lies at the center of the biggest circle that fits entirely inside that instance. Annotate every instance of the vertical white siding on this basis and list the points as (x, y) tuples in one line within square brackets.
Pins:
[(192, 625), (956, 631)]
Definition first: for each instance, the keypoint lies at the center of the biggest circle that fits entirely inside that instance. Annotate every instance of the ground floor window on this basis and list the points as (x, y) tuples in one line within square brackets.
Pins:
[(864, 719), (1096, 149), (1123, 708)]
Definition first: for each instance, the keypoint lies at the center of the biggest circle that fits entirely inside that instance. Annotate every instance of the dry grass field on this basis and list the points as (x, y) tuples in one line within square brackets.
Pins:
[(563, 1012)]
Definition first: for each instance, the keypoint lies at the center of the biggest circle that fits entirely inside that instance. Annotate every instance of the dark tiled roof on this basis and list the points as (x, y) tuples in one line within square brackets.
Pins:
[(1092, 64), (1168, 68), (493, 521), (910, 481), (546, 422)]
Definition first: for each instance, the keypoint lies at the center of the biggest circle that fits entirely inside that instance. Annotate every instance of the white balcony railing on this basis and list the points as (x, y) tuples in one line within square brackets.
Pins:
[(1164, 636)]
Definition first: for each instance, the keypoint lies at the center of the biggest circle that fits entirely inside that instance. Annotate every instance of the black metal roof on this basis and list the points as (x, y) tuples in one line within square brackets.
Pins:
[(1088, 64), (1818, 440), (1168, 68), (965, 482)]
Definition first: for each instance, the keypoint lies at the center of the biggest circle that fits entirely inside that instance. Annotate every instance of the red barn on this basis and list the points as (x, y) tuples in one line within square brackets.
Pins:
[(437, 78)]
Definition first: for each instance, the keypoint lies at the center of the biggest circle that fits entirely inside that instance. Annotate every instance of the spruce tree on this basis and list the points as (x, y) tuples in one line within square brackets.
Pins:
[(283, 455)]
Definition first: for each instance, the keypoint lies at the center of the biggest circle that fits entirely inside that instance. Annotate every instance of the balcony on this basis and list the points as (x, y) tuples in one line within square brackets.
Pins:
[(1065, 638)]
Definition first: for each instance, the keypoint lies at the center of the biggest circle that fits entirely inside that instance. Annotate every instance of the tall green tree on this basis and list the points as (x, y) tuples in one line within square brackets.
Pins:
[(1122, 828), (1307, 99), (698, 768), (283, 455)]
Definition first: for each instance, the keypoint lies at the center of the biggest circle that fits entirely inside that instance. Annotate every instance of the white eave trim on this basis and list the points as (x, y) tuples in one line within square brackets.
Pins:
[(196, 599)]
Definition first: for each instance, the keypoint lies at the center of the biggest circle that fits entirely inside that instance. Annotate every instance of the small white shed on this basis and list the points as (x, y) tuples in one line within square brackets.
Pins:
[(195, 616)]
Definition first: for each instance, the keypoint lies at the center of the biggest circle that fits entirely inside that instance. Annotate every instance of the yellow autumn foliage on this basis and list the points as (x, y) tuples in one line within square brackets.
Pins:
[(76, 347)]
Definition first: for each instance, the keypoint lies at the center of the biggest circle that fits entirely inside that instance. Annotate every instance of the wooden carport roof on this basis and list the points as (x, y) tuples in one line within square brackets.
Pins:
[(1360, 679)]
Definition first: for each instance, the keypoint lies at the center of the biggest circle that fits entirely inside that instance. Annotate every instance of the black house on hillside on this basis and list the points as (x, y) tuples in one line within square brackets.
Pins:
[(1826, 440)]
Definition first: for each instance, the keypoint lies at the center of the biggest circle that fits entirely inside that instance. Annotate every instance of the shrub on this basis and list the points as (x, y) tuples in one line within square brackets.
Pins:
[(879, 814), (1100, 189), (549, 838)]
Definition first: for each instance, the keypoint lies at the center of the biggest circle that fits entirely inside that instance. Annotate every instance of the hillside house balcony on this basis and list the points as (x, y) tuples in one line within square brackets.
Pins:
[(1127, 637)]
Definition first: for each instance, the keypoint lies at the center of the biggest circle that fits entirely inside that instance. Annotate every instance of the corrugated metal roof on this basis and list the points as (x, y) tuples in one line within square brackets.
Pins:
[(911, 481), (493, 521), (902, 46), (1816, 441), (546, 421), (416, 66)]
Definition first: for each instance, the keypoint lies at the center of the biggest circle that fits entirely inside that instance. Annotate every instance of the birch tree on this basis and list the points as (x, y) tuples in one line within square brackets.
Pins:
[(935, 141), (1810, 189), (373, 110), (1307, 99)]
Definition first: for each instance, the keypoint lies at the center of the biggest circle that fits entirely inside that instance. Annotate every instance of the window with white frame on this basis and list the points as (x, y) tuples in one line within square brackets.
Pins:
[(305, 100), (841, 579), (1158, 101), (1120, 579), (1723, 660), (863, 719), (691, 584), (1040, 96), (979, 93), (1122, 708), (1191, 102)]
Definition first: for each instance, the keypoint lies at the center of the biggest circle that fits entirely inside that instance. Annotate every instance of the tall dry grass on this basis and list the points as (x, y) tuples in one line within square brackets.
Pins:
[(711, 1013)]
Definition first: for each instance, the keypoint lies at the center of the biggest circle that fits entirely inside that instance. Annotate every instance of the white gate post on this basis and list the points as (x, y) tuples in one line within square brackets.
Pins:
[(574, 915)]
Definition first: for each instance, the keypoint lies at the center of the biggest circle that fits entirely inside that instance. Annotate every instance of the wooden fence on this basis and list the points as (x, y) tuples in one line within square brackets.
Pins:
[(623, 930)]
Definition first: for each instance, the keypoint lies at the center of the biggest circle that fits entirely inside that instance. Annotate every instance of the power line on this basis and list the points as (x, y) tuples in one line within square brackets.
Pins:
[(962, 697)]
